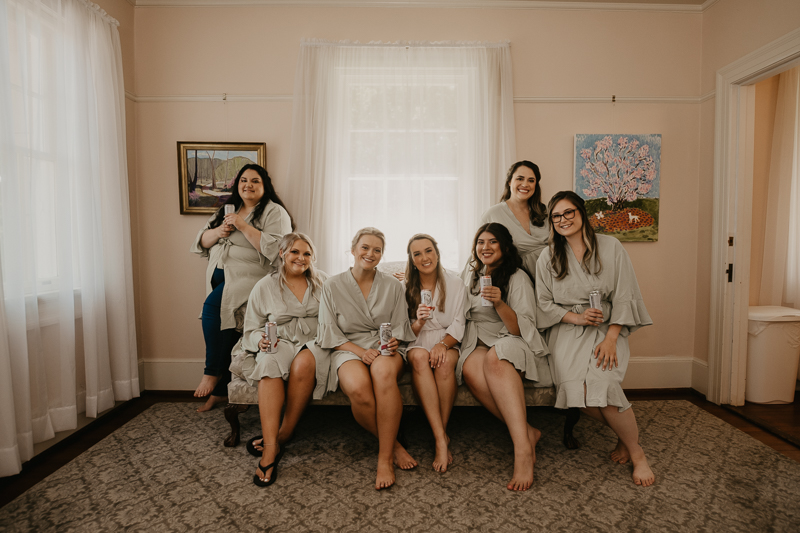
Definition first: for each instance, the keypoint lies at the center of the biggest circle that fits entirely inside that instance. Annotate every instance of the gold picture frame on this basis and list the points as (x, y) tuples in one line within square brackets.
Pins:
[(206, 171)]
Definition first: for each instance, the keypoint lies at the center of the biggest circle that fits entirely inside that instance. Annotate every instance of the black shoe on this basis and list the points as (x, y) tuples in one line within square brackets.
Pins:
[(274, 466)]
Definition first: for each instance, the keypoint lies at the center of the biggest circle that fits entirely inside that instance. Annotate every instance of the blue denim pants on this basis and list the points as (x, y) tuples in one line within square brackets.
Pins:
[(219, 342)]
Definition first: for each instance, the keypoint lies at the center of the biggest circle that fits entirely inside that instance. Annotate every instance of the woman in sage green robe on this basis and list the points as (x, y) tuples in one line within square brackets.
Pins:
[(501, 342), (241, 248), (589, 347), (354, 305)]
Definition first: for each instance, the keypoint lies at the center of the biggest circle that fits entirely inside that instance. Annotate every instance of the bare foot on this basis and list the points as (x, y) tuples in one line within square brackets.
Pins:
[(642, 475), (267, 457), (523, 470), (443, 456), (385, 477), (281, 440), (620, 454), (402, 459), (211, 402), (207, 385)]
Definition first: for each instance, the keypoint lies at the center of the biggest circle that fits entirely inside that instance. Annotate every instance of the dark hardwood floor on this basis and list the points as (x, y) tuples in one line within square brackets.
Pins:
[(749, 419)]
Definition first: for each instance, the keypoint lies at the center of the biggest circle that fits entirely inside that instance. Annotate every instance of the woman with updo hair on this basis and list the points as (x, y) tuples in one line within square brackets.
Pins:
[(589, 346), (501, 344), (354, 305), (242, 248)]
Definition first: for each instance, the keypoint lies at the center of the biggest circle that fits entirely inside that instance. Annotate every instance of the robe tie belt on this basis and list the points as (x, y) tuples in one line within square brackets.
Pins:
[(297, 326), (226, 244)]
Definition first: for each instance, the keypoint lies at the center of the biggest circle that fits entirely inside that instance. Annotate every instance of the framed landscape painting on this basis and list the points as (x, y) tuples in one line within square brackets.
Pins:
[(619, 178), (206, 172)]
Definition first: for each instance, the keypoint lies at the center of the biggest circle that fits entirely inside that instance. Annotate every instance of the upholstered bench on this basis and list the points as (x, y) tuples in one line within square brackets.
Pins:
[(542, 393)]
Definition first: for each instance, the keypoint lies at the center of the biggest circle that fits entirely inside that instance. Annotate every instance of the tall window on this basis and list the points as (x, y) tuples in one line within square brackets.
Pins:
[(409, 139)]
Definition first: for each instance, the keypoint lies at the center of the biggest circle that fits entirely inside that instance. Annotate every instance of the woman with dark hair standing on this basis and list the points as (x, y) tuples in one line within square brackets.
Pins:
[(522, 212), (589, 346), (501, 344), (242, 248)]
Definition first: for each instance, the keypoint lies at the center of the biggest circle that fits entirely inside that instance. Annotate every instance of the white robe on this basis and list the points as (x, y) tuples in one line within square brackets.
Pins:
[(572, 346), (451, 321)]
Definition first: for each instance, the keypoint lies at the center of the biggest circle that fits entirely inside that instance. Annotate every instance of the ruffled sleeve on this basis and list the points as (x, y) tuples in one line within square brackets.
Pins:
[(275, 223), (548, 312), (197, 247), (329, 335), (457, 293), (522, 300), (627, 305)]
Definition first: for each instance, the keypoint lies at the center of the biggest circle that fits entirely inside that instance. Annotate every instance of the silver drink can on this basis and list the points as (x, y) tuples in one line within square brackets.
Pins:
[(271, 329), (594, 300), (427, 298), (486, 281), (229, 209), (386, 336)]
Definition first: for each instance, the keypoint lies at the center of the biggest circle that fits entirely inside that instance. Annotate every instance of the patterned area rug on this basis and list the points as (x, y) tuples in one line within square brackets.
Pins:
[(167, 470)]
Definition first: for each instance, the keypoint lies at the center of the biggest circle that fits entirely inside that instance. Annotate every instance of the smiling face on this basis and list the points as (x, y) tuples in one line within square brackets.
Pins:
[(424, 256), (297, 258), (251, 187), (560, 218), (522, 184), (367, 252), (488, 249)]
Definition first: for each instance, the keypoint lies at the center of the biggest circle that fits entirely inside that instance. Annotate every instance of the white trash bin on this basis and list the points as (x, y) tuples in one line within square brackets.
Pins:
[(773, 353)]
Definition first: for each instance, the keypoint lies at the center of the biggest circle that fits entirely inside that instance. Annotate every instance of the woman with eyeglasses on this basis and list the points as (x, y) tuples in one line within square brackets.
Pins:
[(589, 346)]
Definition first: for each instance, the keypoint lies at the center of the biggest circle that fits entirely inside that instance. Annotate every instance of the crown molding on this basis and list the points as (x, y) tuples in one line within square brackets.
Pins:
[(452, 4), (517, 99)]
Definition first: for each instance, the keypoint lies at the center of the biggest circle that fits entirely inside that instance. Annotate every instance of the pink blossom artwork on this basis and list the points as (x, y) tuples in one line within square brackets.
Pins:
[(619, 177)]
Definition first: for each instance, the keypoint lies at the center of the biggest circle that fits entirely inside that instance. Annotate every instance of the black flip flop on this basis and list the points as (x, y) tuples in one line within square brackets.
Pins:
[(251, 447), (274, 466)]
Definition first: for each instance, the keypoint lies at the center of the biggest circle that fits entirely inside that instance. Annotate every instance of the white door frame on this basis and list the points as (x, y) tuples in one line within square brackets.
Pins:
[(733, 193)]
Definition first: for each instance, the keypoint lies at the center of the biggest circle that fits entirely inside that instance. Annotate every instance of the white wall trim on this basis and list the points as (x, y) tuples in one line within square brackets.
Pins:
[(700, 375), (451, 4), (643, 373), (727, 345), (517, 99), (707, 96)]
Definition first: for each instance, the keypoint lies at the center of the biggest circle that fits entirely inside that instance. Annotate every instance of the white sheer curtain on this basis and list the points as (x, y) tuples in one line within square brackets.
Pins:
[(67, 331), (780, 280), (406, 137)]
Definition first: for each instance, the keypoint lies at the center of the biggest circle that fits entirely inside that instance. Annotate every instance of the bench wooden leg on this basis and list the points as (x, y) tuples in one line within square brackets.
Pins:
[(232, 412), (573, 415)]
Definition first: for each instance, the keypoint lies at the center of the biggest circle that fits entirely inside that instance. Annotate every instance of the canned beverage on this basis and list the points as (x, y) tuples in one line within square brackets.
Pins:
[(594, 300), (386, 336), (229, 209), (271, 329), (486, 281), (427, 297)]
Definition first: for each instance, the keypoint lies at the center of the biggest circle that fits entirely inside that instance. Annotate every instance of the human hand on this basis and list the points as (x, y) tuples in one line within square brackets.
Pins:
[(234, 221), (263, 344), (438, 355), (370, 355), (224, 231), (424, 312), (393, 345), (492, 294), (606, 353), (590, 317), (399, 276)]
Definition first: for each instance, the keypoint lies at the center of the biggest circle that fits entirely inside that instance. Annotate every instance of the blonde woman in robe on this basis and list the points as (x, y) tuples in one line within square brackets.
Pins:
[(589, 346), (298, 369), (501, 342), (522, 212), (354, 305), (241, 248), (439, 329)]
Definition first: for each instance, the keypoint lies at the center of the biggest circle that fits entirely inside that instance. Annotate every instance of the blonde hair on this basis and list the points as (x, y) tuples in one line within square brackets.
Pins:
[(413, 283), (314, 280), (369, 230)]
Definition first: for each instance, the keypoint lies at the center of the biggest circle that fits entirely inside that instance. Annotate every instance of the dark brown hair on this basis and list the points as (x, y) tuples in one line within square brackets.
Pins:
[(509, 264), (559, 262), (269, 196), (538, 211)]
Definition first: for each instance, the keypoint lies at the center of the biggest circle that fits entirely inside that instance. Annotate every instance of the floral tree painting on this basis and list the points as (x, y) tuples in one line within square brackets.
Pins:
[(619, 177)]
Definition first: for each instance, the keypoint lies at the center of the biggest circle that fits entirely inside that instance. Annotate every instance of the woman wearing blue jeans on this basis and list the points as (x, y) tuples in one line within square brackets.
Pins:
[(241, 248)]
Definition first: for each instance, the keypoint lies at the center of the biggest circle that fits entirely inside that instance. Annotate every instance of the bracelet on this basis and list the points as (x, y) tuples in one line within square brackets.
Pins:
[(446, 347)]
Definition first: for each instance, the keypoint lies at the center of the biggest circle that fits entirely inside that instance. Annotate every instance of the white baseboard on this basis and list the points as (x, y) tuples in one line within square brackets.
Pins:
[(142, 381), (643, 373), (700, 376)]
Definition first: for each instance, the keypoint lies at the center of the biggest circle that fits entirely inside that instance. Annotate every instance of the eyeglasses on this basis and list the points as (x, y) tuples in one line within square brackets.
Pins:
[(569, 214)]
